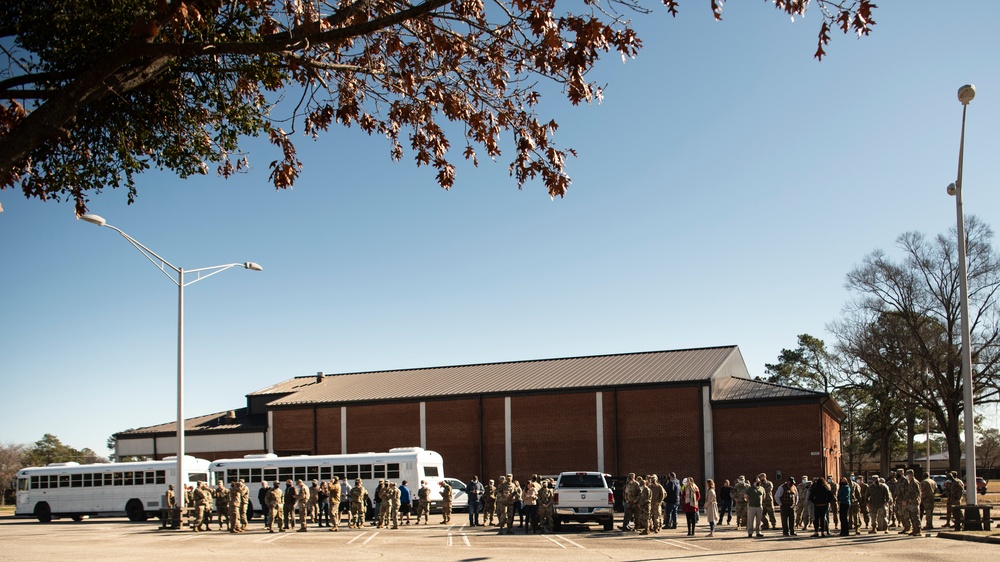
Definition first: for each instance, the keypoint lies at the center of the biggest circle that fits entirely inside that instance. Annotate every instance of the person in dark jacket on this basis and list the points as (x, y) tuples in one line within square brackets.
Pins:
[(820, 496), (262, 502), (844, 499)]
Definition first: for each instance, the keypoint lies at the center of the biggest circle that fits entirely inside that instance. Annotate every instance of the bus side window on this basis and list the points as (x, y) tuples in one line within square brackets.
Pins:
[(392, 470), (98, 479), (325, 473), (118, 479), (270, 474), (22, 483), (379, 471), (431, 471), (339, 471), (107, 478), (88, 480), (64, 480), (255, 475), (161, 477), (366, 471)]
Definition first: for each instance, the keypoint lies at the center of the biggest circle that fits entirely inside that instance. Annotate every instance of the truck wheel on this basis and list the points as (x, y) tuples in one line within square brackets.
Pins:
[(556, 524), (609, 524)]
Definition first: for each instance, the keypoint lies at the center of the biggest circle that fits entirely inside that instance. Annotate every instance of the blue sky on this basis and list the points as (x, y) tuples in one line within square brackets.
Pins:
[(723, 189)]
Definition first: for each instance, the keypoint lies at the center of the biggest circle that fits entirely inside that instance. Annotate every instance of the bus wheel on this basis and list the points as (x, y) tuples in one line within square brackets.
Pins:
[(43, 512), (77, 518), (135, 511)]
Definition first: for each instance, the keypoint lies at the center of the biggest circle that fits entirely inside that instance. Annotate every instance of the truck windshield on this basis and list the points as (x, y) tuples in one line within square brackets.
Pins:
[(582, 481)]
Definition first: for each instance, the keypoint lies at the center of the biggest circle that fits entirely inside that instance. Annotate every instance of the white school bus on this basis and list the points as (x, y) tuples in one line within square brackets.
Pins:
[(69, 489), (412, 464)]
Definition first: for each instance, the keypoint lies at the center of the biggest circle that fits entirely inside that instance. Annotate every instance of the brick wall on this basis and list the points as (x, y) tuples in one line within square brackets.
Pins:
[(215, 456), (328, 431), (293, 431), (831, 439), (552, 433), (453, 431), (494, 450), (660, 430), (754, 439), (377, 428)]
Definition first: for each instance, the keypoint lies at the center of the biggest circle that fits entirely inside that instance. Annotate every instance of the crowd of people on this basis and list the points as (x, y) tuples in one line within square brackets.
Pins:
[(876, 505)]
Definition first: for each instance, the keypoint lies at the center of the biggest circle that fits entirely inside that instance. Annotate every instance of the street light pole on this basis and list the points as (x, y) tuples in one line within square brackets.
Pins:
[(965, 95), (200, 274)]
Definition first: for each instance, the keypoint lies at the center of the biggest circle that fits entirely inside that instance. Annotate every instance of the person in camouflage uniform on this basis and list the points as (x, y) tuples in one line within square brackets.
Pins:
[(221, 496), (505, 504), (392, 498), (863, 501), (855, 513), (545, 506), (234, 508), (489, 502), (303, 499), (895, 516), (880, 504), (909, 505), (202, 501), (767, 503), (642, 507), (956, 495), (631, 497), (423, 502), (740, 497), (291, 496), (335, 491), (928, 490), (358, 498), (446, 499), (656, 495), (275, 502), (802, 517)]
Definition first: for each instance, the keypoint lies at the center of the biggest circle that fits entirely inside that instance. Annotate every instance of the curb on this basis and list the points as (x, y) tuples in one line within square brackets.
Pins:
[(970, 538)]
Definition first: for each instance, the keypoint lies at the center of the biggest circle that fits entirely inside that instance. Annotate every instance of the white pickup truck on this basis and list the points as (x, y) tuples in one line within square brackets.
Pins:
[(582, 497)]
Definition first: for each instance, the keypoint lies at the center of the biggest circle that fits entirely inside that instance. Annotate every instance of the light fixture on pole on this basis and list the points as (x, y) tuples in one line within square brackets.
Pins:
[(965, 95), (200, 273)]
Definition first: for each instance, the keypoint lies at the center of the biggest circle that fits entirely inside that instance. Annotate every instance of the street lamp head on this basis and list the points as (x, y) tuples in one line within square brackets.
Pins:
[(966, 93), (253, 266), (94, 219), (952, 189)]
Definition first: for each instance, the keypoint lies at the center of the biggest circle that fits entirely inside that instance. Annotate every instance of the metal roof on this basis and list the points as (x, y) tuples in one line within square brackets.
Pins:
[(654, 367), (240, 420), (738, 388)]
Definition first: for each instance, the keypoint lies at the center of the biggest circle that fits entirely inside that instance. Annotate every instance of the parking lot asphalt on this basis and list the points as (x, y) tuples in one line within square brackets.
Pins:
[(118, 539)]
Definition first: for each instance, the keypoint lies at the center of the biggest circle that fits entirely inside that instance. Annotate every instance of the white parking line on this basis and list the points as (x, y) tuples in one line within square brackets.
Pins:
[(273, 538), (553, 541), (356, 537), (680, 544), (369, 539), (571, 542)]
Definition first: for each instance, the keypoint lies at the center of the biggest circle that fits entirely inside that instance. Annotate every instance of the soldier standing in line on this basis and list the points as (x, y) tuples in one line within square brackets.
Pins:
[(489, 502), (334, 492), (767, 503), (505, 505), (740, 497), (234, 508), (801, 504), (631, 498), (244, 504), (303, 504), (855, 513), (275, 502), (928, 489), (834, 510), (656, 494), (313, 507), (895, 487), (909, 505), (171, 500), (879, 502), (358, 495), (221, 494), (201, 503), (423, 502), (381, 505), (446, 500), (545, 506), (393, 499), (956, 495), (291, 498), (863, 501), (642, 507)]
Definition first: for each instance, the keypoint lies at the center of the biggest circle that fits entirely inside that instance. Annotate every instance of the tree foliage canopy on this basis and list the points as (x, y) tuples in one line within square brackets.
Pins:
[(98, 92)]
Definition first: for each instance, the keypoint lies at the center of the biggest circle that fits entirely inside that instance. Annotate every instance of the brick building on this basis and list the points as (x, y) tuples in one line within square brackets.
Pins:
[(695, 412)]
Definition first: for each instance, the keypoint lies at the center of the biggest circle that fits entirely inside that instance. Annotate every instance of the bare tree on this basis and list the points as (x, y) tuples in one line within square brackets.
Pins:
[(12, 459)]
